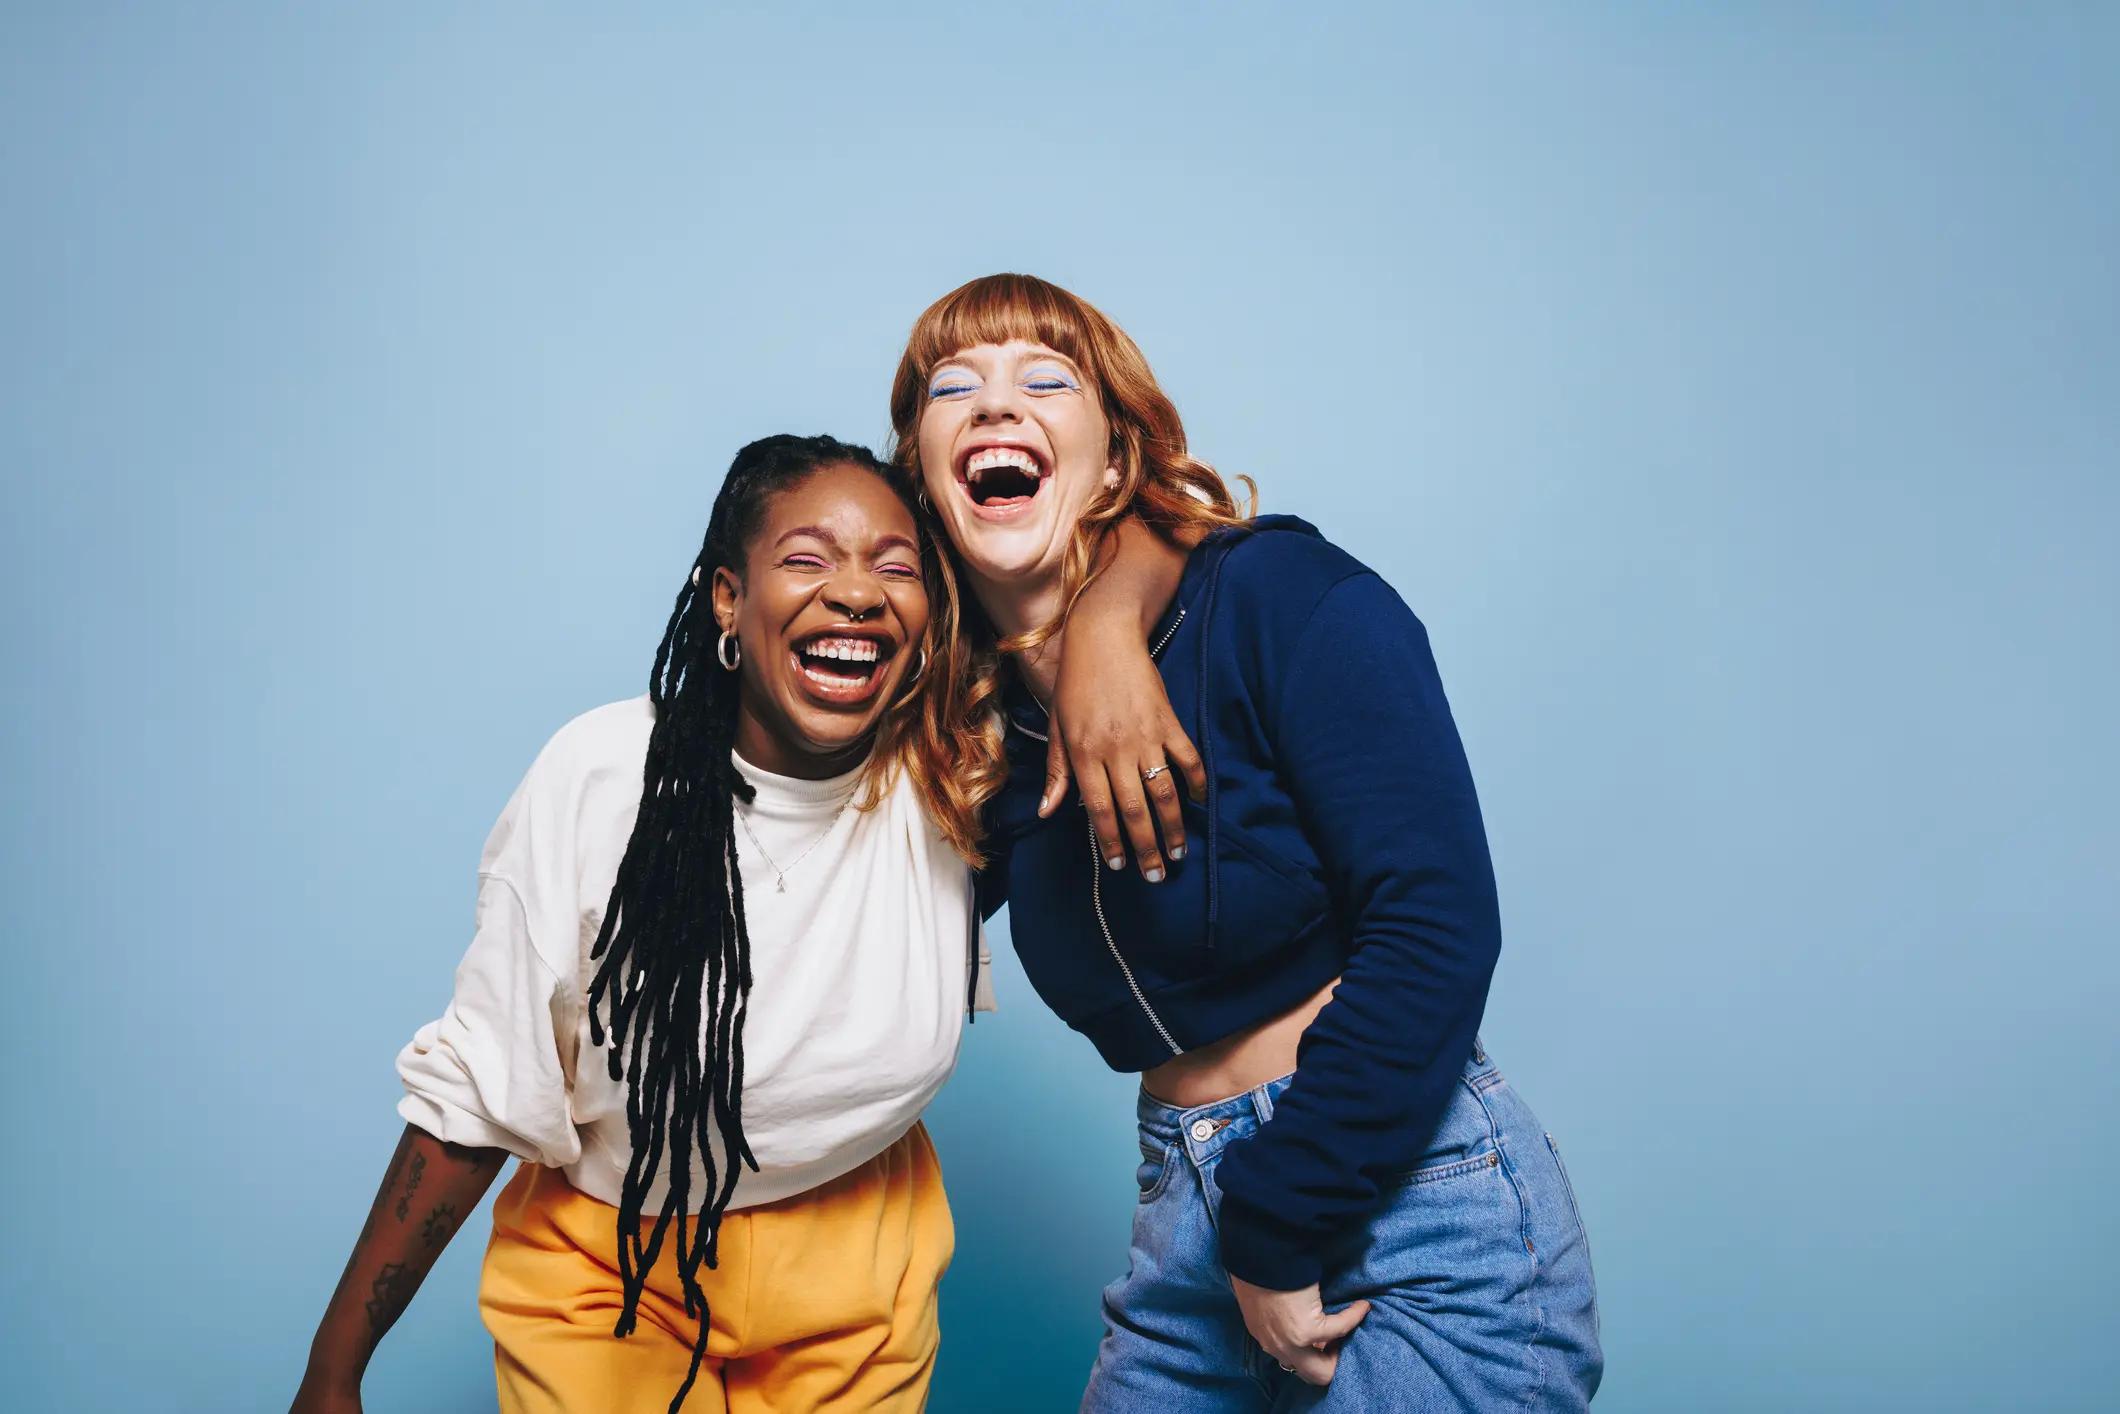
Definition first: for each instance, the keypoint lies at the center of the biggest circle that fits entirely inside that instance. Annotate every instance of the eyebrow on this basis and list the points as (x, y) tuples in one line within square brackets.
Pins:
[(896, 542)]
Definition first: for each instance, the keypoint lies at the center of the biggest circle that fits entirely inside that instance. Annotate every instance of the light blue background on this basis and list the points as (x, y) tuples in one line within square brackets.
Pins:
[(1732, 389)]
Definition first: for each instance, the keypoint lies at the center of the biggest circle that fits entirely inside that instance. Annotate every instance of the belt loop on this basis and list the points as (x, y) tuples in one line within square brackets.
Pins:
[(1262, 1104)]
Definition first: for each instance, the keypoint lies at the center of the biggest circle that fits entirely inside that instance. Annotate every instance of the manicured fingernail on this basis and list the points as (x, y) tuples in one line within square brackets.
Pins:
[(1177, 852), (1117, 861), (1154, 876)]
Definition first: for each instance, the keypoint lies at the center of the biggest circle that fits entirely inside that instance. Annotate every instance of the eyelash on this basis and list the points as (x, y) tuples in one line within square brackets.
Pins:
[(1043, 383), (812, 562)]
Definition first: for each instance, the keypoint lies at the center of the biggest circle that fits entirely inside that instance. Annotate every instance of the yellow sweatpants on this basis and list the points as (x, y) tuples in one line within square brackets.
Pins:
[(823, 1301)]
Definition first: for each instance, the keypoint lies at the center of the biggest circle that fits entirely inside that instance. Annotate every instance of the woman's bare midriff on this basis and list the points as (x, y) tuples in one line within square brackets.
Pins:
[(1237, 1063)]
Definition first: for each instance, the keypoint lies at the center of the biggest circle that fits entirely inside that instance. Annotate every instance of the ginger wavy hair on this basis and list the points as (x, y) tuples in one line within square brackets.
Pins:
[(1171, 491)]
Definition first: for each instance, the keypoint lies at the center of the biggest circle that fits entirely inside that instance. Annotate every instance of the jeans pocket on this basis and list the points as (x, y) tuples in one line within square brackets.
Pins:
[(1156, 1168), (1455, 1225), (1443, 1170), (1463, 1141)]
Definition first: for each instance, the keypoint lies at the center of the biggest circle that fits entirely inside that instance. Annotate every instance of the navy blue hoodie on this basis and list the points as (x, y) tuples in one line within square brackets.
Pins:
[(1340, 838)]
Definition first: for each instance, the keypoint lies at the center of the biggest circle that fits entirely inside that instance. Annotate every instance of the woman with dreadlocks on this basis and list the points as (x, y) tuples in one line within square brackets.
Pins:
[(723, 935)]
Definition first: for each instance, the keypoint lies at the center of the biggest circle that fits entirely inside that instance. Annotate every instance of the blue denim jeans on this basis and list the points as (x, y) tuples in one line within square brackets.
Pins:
[(1475, 1265)]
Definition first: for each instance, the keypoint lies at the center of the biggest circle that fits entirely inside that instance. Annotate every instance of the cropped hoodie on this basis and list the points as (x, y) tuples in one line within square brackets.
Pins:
[(1340, 838)]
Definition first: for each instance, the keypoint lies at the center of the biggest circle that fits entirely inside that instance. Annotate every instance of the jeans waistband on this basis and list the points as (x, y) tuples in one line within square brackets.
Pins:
[(1203, 1130)]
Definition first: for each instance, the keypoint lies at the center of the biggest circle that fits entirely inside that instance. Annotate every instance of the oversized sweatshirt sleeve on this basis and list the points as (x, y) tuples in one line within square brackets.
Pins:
[(1364, 742), (492, 1071)]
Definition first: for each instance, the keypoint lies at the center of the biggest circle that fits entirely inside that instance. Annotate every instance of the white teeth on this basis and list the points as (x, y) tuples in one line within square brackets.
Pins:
[(848, 650), (988, 458)]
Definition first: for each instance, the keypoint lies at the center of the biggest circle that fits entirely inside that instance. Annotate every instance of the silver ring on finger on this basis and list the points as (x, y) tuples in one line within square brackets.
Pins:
[(1154, 771)]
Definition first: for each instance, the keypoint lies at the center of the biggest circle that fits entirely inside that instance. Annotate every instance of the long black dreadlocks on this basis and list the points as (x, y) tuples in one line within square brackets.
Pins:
[(675, 974)]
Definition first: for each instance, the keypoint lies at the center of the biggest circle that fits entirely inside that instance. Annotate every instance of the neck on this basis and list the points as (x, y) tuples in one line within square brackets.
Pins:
[(760, 745), (1017, 606)]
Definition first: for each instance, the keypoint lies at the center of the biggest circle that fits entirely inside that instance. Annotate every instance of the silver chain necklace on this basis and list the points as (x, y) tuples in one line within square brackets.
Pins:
[(780, 874)]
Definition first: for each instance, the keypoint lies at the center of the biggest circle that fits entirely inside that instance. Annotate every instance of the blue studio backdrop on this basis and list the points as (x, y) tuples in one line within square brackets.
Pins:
[(1734, 391)]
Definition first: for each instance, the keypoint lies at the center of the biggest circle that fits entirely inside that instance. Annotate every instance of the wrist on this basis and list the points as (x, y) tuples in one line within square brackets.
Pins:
[(1264, 1253), (335, 1371)]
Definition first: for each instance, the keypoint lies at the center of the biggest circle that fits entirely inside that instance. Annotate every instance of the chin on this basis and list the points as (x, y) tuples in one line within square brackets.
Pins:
[(1019, 553), (829, 738)]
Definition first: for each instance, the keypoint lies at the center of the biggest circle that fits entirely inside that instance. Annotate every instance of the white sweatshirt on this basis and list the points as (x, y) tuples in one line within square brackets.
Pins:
[(859, 973)]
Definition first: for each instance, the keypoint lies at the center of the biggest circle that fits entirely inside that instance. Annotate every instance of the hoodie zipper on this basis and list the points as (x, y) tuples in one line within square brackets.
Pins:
[(1096, 897), (1096, 891), (1155, 650)]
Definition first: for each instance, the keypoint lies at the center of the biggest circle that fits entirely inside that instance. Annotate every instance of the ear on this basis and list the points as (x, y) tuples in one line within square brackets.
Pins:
[(728, 598)]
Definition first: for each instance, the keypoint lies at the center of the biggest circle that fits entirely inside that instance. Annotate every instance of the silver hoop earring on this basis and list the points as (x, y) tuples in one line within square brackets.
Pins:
[(920, 495), (722, 648), (912, 682)]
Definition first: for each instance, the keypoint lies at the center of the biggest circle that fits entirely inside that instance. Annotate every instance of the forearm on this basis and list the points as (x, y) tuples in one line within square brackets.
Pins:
[(1135, 584), (1112, 719), (426, 1192)]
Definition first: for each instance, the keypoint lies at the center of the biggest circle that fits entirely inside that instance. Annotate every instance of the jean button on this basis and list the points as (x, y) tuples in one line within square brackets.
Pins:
[(1203, 1130)]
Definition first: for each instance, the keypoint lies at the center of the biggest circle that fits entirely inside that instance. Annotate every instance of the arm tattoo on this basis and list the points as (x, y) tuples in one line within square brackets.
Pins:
[(439, 1224), (387, 1298), (412, 1184)]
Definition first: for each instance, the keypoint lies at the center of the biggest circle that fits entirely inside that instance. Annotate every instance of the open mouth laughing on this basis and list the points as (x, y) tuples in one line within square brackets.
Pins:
[(842, 666), (1001, 479)]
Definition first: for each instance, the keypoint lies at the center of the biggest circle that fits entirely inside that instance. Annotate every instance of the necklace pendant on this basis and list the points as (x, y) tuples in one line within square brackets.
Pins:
[(780, 883)]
